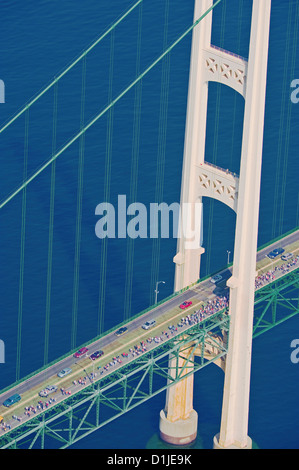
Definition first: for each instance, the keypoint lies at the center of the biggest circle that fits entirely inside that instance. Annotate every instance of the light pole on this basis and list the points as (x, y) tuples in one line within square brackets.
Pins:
[(228, 253), (156, 290)]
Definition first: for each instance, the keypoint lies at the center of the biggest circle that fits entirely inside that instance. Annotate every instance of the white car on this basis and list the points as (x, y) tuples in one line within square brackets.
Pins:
[(287, 256), (216, 278), (149, 324), (47, 390), (64, 372)]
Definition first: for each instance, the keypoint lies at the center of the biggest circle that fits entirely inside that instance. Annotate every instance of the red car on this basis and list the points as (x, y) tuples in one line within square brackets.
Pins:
[(81, 352), (186, 304)]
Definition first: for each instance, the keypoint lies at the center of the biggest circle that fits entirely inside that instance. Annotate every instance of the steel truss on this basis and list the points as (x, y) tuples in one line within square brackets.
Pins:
[(132, 384), (276, 303), (110, 397)]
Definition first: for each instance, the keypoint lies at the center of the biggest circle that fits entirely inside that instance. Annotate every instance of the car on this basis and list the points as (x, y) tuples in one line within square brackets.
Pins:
[(274, 253), (81, 352), (186, 304), (148, 324), (287, 256), (48, 390), (64, 372), (96, 355), (216, 278), (1, 419), (11, 400), (121, 331)]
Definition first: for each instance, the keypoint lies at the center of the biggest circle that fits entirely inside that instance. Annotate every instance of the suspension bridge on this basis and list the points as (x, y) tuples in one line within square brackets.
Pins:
[(194, 326)]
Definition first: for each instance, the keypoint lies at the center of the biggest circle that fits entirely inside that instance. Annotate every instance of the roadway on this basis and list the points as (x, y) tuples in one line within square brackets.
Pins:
[(202, 292)]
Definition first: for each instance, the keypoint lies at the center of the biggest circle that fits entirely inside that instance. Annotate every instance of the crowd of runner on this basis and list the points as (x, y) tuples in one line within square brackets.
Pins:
[(212, 306), (272, 274)]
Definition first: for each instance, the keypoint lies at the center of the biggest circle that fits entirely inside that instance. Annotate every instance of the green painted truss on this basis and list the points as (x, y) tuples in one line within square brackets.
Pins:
[(109, 397)]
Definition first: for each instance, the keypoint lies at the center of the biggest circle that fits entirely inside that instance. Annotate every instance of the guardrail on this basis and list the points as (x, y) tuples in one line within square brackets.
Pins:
[(228, 172), (134, 317), (229, 52)]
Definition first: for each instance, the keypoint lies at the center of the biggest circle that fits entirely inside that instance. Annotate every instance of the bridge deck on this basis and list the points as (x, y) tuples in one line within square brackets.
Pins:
[(206, 297)]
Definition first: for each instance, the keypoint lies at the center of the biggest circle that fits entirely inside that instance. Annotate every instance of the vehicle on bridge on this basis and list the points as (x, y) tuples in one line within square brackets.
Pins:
[(216, 278), (96, 355), (287, 256), (121, 331), (81, 352), (48, 390), (186, 304), (274, 253), (148, 324), (64, 372), (11, 400)]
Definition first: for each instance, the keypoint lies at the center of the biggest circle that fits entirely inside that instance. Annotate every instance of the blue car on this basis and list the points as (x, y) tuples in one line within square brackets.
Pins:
[(273, 254), (11, 400)]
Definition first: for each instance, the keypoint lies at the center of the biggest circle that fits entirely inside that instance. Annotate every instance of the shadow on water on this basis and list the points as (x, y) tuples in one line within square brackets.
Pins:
[(156, 443)]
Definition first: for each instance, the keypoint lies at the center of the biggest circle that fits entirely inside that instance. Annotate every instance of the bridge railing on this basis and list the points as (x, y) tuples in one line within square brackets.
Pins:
[(139, 314), (228, 172), (228, 52)]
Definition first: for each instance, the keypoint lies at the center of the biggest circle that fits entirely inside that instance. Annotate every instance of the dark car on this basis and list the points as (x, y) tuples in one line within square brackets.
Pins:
[(121, 331), (11, 400), (96, 355), (274, 253)]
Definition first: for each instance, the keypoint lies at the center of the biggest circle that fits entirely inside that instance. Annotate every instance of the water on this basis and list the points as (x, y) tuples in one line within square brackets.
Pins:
[(38, 41)]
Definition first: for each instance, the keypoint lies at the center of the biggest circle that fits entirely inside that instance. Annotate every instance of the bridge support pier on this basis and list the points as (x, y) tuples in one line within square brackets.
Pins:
[(235, 406), (217, 445), (178, 420), (180, 432)]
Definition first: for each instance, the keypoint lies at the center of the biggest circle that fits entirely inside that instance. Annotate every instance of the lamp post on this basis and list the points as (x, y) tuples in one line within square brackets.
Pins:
[(156, 290)]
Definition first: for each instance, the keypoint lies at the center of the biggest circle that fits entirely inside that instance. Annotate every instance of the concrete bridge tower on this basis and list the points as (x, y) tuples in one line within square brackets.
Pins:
[(178, 421)]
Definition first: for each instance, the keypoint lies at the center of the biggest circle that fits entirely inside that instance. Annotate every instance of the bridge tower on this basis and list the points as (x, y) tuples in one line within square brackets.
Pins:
[(178, 421)]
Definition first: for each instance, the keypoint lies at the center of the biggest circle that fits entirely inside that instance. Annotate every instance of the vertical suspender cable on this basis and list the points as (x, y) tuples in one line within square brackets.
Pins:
[(288, 127), (107, 181), (79, 213), (51, 229), (236, 94), (134, 174), (164, 94), (22, 251), (281, 123), (106, 108), (215, 149)]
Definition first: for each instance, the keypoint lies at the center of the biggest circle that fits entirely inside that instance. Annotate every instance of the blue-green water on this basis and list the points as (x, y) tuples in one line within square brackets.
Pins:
[(38, 39)]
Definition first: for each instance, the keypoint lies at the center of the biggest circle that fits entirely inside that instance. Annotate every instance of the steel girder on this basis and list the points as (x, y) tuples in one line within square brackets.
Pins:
[(109, 397), (276, 303), (136, 382)]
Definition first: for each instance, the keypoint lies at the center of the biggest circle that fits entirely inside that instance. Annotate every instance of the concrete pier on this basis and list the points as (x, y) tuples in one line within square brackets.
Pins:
[(178, 420), (216, 444), (180, 432)]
